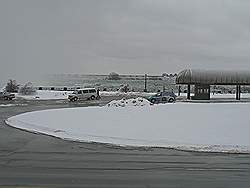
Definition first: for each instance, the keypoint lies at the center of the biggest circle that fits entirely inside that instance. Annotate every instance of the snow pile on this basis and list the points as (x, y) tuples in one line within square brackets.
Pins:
[(206, 127), (118, 93), (139, 101)]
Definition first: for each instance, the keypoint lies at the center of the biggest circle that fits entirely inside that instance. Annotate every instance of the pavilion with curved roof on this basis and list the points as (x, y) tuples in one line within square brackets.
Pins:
[(203, 79)]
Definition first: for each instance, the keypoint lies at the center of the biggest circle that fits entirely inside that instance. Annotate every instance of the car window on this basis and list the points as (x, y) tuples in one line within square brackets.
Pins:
[(92, 91), (84, 91)]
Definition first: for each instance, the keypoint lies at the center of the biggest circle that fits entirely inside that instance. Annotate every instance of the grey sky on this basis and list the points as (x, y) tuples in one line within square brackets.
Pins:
[(138, 36)]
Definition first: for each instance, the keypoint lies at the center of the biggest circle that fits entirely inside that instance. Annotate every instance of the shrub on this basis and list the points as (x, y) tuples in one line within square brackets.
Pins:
[(27, 89), (12, 86)]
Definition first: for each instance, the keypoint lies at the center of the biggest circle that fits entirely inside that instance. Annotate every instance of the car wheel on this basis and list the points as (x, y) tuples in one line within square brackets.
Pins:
[(5, 98), (92, 97), (153, 101), (75, 99), (171, 100)]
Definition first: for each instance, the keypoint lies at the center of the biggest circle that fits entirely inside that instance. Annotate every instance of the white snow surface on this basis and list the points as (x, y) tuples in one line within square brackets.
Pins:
[(50, 95), (118, 93), (211, 127), (6, 105), (45, 95), (53, 95), (139, 101), (9, 105), (229, 96)]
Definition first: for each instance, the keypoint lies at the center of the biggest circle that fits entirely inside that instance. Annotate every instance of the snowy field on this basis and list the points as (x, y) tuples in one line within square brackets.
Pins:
[(45, 95), (10, 105), (186, 126), (57, 95)]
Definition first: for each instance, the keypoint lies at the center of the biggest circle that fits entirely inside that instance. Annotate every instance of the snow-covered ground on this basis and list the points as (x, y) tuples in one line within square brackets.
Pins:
[(50, 95), (230, 96), (187, 126), (45, 95), (117, 93), (9, 105)]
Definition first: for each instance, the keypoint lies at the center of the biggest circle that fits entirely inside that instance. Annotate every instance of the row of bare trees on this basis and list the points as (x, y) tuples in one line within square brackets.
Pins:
[(13, 87)]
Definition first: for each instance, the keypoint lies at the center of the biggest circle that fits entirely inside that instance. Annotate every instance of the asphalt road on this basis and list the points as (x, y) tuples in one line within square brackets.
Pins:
[(35, 160)]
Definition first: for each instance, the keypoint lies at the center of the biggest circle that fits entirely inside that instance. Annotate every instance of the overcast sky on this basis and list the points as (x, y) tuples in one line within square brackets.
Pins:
[(139, 36)]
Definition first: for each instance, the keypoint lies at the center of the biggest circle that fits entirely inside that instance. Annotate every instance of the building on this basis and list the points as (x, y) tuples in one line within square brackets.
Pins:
[(203, 79)]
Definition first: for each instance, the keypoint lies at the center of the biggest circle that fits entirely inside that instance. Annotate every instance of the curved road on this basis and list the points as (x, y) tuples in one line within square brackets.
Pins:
[(35, 160)]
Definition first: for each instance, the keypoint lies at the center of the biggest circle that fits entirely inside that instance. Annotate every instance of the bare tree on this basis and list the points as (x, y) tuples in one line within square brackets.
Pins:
[(27, 89), (12, 86), (124, 88)]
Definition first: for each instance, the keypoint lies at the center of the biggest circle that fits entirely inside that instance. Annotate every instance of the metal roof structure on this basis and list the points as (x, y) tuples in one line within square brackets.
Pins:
[(213, 77)]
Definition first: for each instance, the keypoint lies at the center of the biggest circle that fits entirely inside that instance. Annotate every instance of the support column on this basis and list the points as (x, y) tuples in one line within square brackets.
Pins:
[(188, 92), (179, 90), (209, 90), (145, 82), (239, 92)]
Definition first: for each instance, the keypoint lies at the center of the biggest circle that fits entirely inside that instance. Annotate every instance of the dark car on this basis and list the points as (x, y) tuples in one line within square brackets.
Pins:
[(6, 95), (162, 97)]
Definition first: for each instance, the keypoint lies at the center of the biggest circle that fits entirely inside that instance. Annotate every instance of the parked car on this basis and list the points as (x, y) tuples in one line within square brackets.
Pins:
[(6, 95), (84, 94), (162, 97)]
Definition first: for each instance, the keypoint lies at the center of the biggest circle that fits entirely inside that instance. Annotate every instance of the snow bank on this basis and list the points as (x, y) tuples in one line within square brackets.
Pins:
[(9, 105), (50, 95), (45, 95), (6, 105), (186, 126), (118, 93), (139, 101)]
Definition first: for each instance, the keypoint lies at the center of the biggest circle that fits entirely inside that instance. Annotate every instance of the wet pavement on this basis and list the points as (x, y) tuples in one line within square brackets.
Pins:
[(36, 160)]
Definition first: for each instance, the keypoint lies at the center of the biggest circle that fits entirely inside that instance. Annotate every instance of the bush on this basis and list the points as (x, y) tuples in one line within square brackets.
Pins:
[(113, 76), (124, 88), (27, 89), (12, 86)]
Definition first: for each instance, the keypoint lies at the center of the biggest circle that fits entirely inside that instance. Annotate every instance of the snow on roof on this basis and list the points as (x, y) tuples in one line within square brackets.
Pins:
[(213, 77)]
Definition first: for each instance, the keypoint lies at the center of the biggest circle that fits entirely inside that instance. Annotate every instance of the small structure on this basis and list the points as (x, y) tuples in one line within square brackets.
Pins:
[(203, 79)]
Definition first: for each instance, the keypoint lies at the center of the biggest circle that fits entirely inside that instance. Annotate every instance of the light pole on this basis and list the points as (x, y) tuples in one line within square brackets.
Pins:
[(145, 81)]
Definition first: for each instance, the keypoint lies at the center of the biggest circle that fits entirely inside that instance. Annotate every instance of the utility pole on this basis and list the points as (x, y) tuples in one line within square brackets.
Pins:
[(145, 87)]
